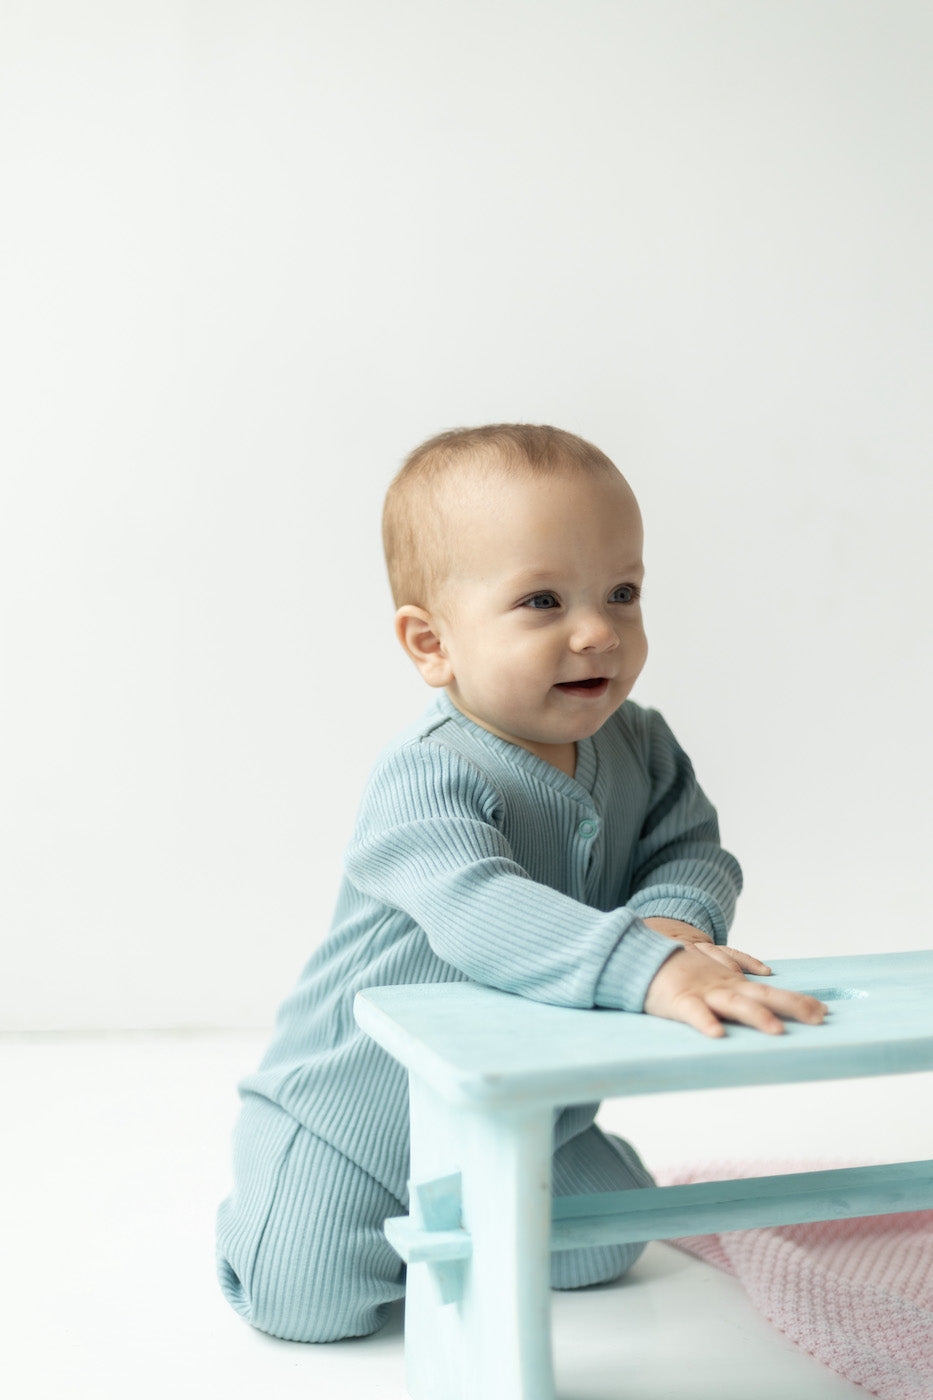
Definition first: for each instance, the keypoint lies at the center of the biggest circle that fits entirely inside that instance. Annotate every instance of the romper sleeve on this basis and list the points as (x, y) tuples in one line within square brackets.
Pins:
[(427, 844), (680, 870)]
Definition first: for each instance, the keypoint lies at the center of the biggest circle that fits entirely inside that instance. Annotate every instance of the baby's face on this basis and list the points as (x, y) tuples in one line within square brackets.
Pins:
[(541, 627)]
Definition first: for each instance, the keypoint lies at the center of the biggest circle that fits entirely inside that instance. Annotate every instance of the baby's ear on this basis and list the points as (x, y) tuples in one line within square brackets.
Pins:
[(417, 632)]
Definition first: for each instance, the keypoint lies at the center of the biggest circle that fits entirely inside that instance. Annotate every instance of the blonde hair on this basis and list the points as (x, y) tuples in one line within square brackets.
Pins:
[(416, 526)]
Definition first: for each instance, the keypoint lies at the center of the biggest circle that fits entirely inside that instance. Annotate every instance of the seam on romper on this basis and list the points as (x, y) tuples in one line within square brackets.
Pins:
[(298, 1127), (357, 1166), (247, 1284)]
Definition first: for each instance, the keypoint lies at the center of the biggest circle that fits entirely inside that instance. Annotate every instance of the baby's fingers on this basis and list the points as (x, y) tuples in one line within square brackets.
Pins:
[(694, 1011), (703, 992), (794, 1006), (734, 1003), (732, 957)]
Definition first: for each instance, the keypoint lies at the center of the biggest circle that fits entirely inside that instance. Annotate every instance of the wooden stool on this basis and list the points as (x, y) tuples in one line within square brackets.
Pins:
[(487, 1071)]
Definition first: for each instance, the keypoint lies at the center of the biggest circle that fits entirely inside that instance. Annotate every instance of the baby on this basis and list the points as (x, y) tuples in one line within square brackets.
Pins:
[(535, 831)]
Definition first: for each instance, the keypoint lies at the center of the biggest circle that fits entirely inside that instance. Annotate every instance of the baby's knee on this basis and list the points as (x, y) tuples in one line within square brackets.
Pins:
[(300, 1249), (300, 1306), (592, 1163), (582, 1268)]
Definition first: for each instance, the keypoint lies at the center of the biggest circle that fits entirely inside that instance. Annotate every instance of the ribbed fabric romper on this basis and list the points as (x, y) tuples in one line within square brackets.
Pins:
[(471, 859)]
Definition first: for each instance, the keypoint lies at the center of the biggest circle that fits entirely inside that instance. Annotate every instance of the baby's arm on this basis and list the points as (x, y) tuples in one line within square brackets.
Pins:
[(684, 887), (681, 875), (702, 992), (428, 845)]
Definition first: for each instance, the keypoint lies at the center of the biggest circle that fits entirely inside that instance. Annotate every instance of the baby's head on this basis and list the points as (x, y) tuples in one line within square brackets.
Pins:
[(514, 556)]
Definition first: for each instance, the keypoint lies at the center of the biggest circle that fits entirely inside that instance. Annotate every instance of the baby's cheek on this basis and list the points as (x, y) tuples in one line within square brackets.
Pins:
[(637, 648)]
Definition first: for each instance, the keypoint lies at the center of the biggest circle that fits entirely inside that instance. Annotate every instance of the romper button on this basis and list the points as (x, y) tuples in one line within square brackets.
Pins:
[(587, 828)]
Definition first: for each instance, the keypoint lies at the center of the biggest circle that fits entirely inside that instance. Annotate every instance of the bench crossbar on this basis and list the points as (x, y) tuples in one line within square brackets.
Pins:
[(700, 1208), (713, 1207)]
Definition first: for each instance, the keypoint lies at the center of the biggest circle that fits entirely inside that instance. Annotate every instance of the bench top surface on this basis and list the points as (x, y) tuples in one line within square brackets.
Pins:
[(478, 1045)]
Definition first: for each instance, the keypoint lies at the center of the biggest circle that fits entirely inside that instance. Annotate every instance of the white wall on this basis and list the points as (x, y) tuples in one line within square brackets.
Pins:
[(253, 252)]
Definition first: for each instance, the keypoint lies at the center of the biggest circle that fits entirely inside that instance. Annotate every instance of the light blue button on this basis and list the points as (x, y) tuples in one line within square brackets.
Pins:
[(587, 828)]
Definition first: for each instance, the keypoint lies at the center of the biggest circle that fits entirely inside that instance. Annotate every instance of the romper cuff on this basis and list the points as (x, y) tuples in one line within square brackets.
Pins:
[(691, 906), (635, 959)]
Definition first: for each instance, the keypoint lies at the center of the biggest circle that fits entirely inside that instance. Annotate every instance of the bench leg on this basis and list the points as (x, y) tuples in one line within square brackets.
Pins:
[(495, 1343)]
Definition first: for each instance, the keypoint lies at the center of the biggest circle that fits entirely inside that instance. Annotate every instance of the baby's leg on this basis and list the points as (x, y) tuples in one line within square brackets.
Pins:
[(592, 1162), (300, 1247)]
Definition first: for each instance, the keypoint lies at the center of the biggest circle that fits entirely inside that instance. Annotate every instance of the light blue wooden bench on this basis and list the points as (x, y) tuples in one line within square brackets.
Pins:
[(487, 1071)]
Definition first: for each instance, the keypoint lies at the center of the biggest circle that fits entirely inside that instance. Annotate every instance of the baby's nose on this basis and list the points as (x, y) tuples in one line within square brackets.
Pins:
[(594, 632)]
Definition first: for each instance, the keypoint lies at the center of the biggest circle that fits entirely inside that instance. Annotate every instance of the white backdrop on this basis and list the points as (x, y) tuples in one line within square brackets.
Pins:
[(253, 252)]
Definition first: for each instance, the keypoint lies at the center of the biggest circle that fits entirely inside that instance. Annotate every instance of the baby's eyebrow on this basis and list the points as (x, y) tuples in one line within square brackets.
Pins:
[(536, 578), (531, 578)]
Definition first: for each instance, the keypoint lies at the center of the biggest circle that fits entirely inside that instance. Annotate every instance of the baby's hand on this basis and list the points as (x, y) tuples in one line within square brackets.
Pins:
[(693, 988), (696, 938)]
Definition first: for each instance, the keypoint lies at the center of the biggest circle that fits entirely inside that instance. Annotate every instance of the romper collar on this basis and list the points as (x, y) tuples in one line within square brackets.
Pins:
[(584, 777)]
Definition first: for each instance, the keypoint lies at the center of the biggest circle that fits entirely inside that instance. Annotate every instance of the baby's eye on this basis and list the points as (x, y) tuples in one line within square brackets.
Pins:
[(541, 601), (625, 593)]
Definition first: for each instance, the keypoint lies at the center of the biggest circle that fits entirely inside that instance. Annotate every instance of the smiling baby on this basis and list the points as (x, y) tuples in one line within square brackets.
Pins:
[(535, 831)]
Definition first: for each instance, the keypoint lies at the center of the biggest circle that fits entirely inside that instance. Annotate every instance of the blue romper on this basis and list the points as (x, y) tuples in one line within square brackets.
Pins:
[(471, 859)]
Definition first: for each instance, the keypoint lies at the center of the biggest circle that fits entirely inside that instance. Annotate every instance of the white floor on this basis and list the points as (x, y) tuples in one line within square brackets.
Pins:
[(115, 1152)]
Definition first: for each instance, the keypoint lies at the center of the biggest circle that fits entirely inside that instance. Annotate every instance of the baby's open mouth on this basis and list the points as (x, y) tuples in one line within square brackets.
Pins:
[(593, 683)]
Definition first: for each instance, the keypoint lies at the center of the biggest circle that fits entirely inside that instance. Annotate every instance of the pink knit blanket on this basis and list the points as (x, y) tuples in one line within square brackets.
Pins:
[(855, 1294)]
